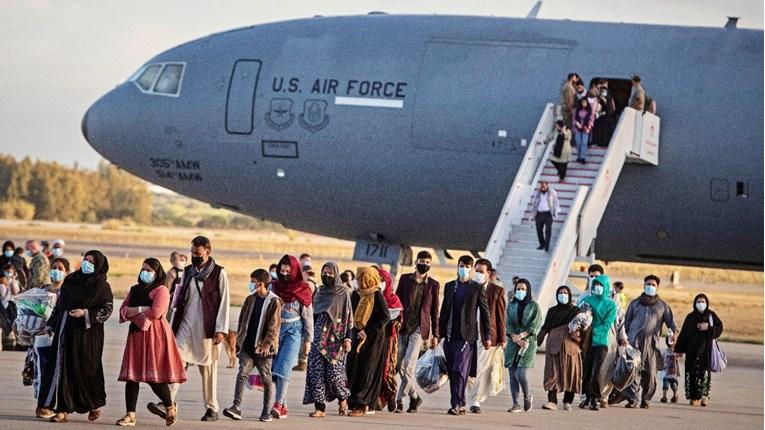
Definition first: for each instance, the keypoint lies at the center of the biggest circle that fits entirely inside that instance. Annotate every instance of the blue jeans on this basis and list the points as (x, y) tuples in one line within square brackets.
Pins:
[(290, 338), (582, 140), (519, 381)]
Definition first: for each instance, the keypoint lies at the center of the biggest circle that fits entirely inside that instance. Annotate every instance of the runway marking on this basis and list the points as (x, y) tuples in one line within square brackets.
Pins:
[(369, 102)]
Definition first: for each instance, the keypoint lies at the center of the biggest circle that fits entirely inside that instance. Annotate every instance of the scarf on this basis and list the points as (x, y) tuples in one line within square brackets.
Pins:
[(558, 148), (81, 291), (369, 284), (647, 300), (202, 274), (560, 314), (295, 288), (391, 299), (334, 300)]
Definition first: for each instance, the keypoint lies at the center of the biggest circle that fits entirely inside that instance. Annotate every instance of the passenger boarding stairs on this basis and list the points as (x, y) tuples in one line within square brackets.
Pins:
[(583, 199)]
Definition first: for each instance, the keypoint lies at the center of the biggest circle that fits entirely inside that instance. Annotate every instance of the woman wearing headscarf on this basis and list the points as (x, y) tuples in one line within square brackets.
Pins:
[(326, 379), (700, 327), (603, 318), (563, 355), (10, 256), (367, 357), (523, 320), (296, 326), (390, 386), (84, 304), (151, 355)]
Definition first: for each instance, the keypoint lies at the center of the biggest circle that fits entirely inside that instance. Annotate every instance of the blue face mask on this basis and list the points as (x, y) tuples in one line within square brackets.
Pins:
[(463, 272), (147, 277), (520, 294), (8, 275), (8, 253), (58, 252), (650, 290), (563, 298), (57, 275), (251, 287), (87, 267), (597, 290)]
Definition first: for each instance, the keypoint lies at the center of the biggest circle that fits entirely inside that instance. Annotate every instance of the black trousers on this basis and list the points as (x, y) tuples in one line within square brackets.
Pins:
[(131, 394), (561, 168), (568, 397), (591, 383), (544, 229)]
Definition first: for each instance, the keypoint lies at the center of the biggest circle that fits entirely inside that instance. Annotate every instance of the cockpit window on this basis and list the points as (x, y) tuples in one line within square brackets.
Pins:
[(146, 79), (160, 78), (170, 80)]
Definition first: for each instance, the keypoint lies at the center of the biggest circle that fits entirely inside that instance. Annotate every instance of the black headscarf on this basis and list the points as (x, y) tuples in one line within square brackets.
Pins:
[(694, 341), (560, 314), (526, 300), (81, 290), (139, 293)]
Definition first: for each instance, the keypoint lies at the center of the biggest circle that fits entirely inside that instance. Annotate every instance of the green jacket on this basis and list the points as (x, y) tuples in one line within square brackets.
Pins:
[(603, 312), (532, 322)]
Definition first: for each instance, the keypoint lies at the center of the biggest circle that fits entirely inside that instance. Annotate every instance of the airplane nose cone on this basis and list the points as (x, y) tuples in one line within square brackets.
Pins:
[(84, 127)]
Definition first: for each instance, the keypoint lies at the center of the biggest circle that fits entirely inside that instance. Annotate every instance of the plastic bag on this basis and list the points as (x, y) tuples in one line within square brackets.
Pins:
[(626, 368), (582, 320), (718, 360), (430, 370), (34, 309), (498, 371)]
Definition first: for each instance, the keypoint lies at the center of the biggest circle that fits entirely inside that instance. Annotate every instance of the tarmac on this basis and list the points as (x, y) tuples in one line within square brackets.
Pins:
[(736, 402)]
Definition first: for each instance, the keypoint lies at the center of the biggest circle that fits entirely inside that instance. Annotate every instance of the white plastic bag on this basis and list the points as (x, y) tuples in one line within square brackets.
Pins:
[(498, 371), (430, 370)]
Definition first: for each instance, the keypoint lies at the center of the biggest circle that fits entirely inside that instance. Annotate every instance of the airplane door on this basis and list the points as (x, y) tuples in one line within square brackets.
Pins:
[(485, 96), (240, 99)]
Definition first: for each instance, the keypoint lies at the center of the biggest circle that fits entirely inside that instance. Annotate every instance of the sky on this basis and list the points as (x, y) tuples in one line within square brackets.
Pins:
[(58, 57)]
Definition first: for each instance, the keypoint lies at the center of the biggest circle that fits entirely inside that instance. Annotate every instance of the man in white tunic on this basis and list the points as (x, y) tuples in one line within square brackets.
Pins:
[(200, 322)]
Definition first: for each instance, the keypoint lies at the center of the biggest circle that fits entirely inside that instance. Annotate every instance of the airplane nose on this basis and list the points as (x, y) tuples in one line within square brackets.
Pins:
[(84, 127)]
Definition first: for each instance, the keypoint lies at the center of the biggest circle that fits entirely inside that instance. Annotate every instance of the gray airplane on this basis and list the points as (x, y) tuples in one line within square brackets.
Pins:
[(384, 128)]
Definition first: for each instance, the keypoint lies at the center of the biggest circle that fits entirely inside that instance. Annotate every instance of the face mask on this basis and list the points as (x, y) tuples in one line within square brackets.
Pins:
[(57, 275), (463, 272), (196, 261), (304, 263), (8, 274), (422, 269), (287, 277), (251, 287), (147, 277), (355, 284), (382, 286), (327, 280), (273, 275), (563, 298), (8, 253), (650, 290), (520, 294), (479, 277), (58, 252), (701, 306), (179, 265), (597, 290), (28, 253), (87, 267)]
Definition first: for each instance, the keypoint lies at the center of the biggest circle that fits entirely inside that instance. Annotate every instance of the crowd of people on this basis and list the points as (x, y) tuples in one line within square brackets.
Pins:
[(362, 337)]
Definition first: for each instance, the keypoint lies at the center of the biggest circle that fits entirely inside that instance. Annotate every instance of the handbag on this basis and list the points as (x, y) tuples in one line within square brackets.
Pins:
[(718, 361)]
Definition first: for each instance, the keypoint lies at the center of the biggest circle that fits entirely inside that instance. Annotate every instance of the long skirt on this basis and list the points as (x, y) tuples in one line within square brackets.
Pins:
[(325, 381), (698, 379), (390, 385)]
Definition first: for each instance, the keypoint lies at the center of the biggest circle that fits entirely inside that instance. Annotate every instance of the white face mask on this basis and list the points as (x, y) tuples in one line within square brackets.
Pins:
[(701, 306), (479, 277), (382, 286), (355, 284)]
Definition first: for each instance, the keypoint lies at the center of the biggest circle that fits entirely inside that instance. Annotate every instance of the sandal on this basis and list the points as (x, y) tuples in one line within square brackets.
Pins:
[(60, 417), (342, 409), (94, 414), (127, 421), (171, 415), (358, 412), (317, 414)]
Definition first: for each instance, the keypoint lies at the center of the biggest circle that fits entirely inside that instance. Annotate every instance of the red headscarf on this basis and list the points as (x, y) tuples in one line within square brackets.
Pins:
[(390, 297), (295, 288)]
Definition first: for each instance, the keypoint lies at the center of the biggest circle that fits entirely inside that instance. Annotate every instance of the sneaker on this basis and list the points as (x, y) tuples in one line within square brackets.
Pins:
[(595, 406), (528, 403), (392, 406), (550, 406), (663, 399), (515, 409), (631, 404), (233, 412), (475, 409), (399, 406), (567, 406), (157, 409), (279, 411), (583, 404), (266, 418), (210, 415), (674, 399), (414, 404), (540, 247)]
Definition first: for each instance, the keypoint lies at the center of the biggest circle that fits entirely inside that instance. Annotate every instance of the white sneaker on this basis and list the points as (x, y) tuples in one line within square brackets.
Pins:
[(550, 406), (567, 406)]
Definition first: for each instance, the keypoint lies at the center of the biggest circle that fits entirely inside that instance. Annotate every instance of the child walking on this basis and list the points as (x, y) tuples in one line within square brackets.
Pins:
[(671, 370)]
